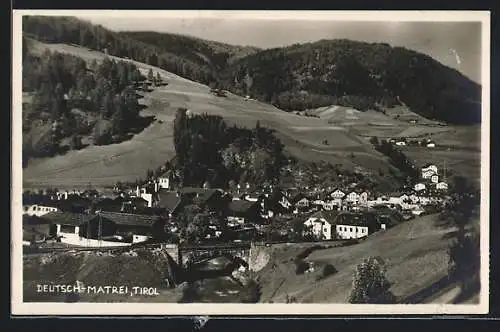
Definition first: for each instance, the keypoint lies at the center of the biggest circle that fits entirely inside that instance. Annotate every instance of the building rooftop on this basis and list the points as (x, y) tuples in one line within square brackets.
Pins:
[(130, 219), (68, 218)]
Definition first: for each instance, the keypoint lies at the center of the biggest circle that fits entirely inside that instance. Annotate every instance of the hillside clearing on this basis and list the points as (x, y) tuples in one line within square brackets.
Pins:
[(127, 161)]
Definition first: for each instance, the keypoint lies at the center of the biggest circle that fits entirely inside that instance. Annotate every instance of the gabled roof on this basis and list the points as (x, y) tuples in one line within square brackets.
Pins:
[(34, 220), (357, 219), (130, 218), (68, 218), (199, 195), (241, 206), (329, 216), (168, 200)]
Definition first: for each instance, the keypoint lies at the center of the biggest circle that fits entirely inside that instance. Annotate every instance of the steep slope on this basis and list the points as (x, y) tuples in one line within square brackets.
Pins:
[(105, 165)]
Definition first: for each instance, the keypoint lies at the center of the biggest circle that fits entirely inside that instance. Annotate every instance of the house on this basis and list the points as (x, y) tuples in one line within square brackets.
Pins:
[(205, 198), (164, 180), (431, 145), (242, 211), (428, 174), (356, 225), (104, 229), (352, 197), (419, 187), (168, 200), (135, 227), (363, 197), (332, 205), (435, 179), (39, 209), (302, 205), (400, 143), (442, 186), (430, 167), (69, 227), (320, 225), (108, 204), (414, 198), (337, 194)]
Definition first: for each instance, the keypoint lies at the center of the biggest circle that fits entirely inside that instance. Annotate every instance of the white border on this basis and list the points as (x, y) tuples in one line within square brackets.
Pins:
[(20, 308)]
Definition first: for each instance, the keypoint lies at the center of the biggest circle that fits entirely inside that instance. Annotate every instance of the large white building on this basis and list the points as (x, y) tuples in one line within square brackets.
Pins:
[(351, 231)]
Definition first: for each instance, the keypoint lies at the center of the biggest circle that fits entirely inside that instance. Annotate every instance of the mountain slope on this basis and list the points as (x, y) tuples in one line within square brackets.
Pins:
[(302, 76), (360, 75), (127, 161), (204, 52)]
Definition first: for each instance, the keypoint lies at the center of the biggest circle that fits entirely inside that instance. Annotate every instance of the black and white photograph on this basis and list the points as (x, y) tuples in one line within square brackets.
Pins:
[(250, 162)]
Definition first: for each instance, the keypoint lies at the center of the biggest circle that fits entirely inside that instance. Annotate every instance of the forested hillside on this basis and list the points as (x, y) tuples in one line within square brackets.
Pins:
[(71, 30), (356, 74), (203, 52), (72, 99), (343, 72)]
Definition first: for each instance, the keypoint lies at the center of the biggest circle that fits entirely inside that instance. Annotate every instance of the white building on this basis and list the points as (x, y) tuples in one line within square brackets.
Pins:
[(337, 194), (351, 231), (334, 204), (164, 181), (142, 193), (319, 227), (430, 168), (400, 143), (434, 179), (38, 210), (419, 187), (442, 186), (428, 174), (352, 197), (363, 197), (431, 145)]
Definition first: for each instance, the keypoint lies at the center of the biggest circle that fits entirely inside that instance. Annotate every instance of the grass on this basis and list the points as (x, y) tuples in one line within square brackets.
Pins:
[(415, 253), (129, 160), (345, 130)]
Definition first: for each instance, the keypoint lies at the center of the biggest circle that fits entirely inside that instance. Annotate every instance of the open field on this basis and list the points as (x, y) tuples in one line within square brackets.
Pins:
[(104, 165), (419, 261)]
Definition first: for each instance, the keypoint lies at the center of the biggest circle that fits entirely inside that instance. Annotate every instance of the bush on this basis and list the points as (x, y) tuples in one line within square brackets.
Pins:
[(328, 270), (370, 284)]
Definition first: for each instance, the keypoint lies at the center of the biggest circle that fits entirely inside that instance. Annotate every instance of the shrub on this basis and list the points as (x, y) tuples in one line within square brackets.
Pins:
[(370, 284), (328, 270)]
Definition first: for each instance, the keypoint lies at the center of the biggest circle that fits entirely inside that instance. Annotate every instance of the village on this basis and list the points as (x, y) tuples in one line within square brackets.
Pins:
[(161, 211)]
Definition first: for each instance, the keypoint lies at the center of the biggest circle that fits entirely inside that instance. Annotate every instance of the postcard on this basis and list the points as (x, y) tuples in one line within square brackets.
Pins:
[(250, 162)]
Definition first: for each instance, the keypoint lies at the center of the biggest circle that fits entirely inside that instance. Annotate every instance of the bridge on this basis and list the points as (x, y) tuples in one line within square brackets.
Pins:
[(254, 255)]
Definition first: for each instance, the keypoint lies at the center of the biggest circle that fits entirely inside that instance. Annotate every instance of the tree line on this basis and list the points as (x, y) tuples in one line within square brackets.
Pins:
[(71, 30), (397, 158)]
